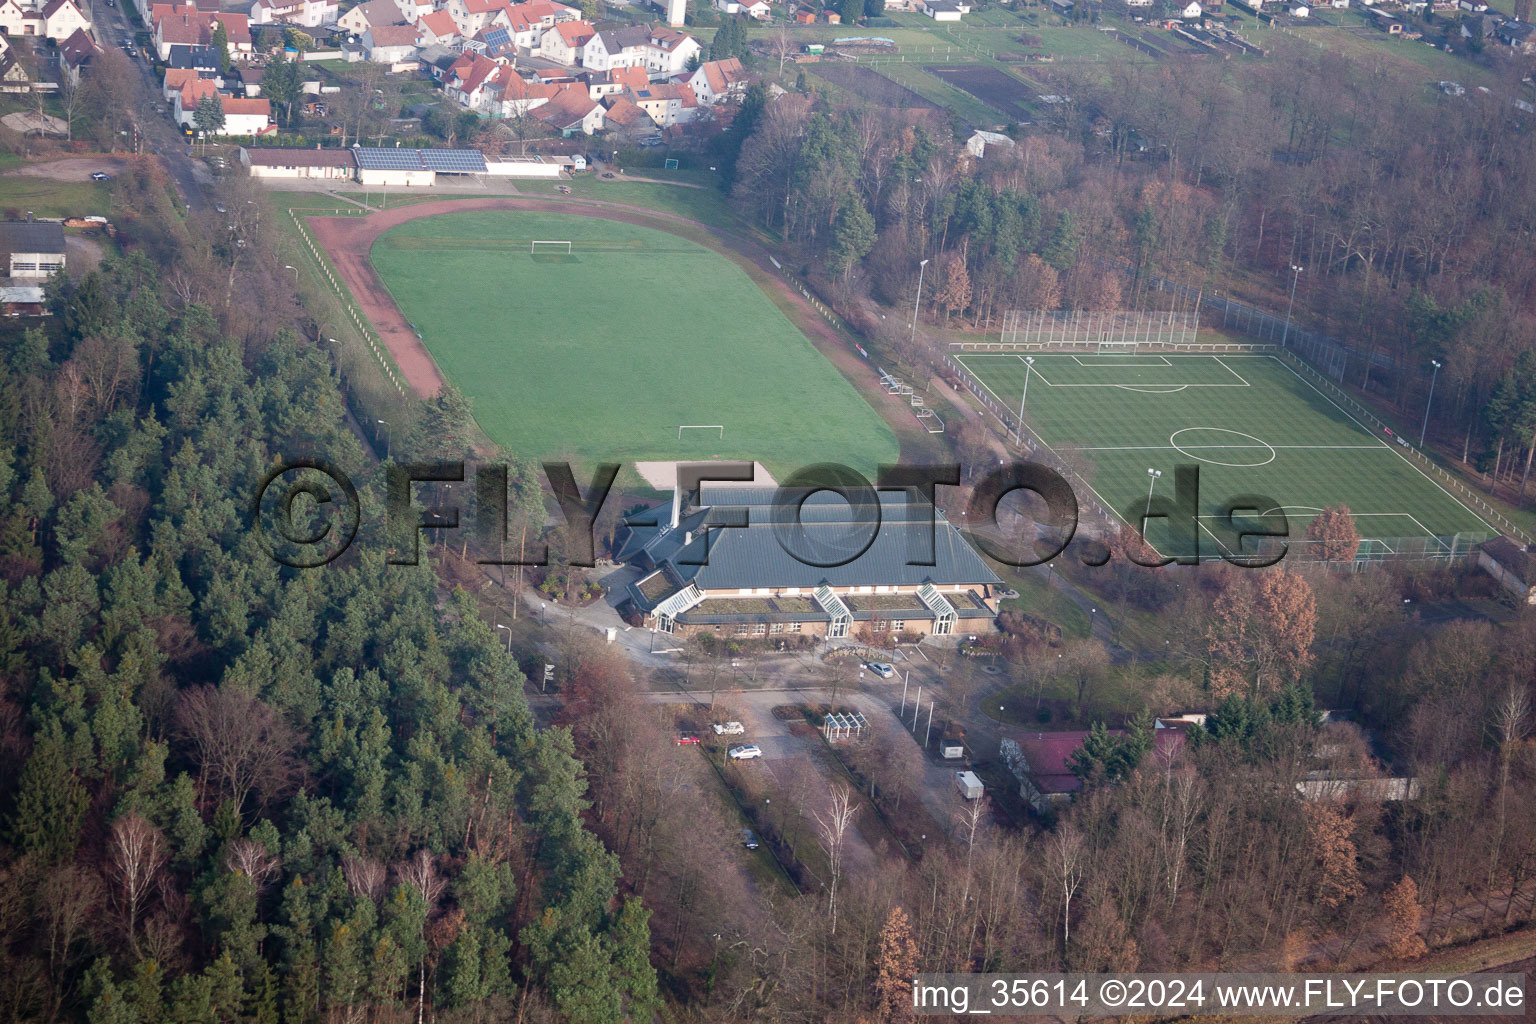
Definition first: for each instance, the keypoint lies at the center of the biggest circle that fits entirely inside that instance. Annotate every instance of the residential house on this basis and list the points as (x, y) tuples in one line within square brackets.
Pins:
[(197, 58), (625, 119), (175, 78), (389, 44), (75, 55), (1190, 11), (1521, 35), (237, 29), (180, 29), (716, 81), (758, 9), (1480, 27), (374, 12), (283, 162), (610, 83), (1300, 11), (13, 77), (17, 20), (571, 111), (437, 29), (564, 42), (667, 103), (410, 10), (827, 16), (494, 42), (62, 19), (473, 15), (668, 52), (1472, 6), (615, 48), (192, 93), (750, 585), (31, 249), (520, 96), (246, 116), (1062, 8), (249, 80), (299, 13), (474, 81)]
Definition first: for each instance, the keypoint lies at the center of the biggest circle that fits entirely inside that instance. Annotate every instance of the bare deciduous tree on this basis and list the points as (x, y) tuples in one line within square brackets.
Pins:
[(137, 852), (364, 877), (832, 831), (1066, 854), (240, 744), (250, 858)]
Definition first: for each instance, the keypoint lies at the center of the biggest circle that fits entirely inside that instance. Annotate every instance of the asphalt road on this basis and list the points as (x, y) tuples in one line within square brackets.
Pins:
[(160, 134)]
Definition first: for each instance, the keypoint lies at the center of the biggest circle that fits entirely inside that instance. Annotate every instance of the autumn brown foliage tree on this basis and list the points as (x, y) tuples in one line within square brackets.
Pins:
[(896, 965), (1260, 632), (1333, 535), (1333, 848), (1401, 903)]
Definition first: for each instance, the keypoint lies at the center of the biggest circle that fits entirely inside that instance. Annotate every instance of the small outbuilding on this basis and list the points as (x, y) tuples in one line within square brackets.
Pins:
[(32, 249)]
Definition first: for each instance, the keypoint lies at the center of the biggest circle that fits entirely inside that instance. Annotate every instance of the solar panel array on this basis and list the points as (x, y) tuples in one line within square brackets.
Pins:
[(451, 161)]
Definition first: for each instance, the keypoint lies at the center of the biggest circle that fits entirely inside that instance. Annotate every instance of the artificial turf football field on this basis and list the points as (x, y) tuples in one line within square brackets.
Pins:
[(1250, 423), (600, 355)]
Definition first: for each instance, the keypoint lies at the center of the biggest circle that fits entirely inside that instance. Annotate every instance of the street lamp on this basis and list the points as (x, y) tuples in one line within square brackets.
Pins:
[(295, 273), (918, 301), (1433, 377), (509, 636), (386, 437), (1153, 474), (1295, 276), (1018, 433)]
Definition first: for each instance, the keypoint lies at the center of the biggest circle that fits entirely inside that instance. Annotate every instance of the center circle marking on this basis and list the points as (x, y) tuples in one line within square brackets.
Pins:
[(1173, 439)]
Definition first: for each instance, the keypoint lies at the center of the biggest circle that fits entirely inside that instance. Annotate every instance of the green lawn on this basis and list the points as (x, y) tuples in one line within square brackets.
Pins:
[(601, 355), (1251, 425), (45, 198)]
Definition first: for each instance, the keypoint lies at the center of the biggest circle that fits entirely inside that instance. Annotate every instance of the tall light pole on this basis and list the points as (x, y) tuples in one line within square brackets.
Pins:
[(919, 300), (386, 437), (287, 266), (1295, 276), (1432, 378), (1018, 433), (1153, 474), (509, 636)]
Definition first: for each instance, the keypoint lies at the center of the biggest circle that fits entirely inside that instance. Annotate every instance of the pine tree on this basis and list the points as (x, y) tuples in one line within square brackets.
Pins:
[(630, 937), (50, 804)]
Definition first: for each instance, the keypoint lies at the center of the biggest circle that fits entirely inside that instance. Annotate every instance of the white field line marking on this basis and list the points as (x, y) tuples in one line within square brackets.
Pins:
[(1276, 447), (1383, 444)]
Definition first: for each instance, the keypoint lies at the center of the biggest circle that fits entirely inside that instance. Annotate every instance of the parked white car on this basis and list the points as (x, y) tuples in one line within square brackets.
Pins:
[(746, 753), (730, 729)]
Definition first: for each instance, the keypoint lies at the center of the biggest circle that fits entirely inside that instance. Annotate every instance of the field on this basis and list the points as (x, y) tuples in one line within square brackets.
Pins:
[(997, 89), (871, 86), (602, 354), (1251, 425)]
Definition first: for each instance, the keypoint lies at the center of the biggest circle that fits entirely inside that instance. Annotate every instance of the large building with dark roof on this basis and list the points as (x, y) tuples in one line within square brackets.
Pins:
[(31, 249), (757, 581)]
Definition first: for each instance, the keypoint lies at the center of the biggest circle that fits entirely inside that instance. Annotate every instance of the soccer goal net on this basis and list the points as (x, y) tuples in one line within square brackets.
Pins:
[(1117, 345), (719, 428), (548, 246)]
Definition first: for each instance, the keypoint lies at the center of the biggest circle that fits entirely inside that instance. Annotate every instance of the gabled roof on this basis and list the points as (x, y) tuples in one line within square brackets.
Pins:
[(574, 33), (236, 26), (285, 156), (175, 78), (722, 74), (185, 55), (78, 48), (379, 12), (391, 35), (241, 106), (1048, 754), (569, 107), (31, 236), (514, 89), (188, 29), (630, 77), (618, 39), (665, 39), (193, 92), (55, 6), (439, 23), (471, 76), (482, 6), (624, 113)]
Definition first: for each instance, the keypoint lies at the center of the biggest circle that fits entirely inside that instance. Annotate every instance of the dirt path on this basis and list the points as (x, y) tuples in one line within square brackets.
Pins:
[(348, 240), (69, 169)]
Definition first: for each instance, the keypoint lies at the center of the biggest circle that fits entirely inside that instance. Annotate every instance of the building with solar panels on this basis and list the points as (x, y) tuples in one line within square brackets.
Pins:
[(414, 168), (910, 575)]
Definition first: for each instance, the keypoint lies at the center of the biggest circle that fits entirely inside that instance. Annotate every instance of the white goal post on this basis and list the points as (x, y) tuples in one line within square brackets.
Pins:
[(561, 245), (700, 426), (1109, 345)]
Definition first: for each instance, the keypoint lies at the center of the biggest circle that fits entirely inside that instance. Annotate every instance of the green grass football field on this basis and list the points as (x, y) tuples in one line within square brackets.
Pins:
[(1252, 426), (600, 355)]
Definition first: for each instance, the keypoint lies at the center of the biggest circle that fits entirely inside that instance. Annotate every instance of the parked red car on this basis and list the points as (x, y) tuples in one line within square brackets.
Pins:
[(687, 741)]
